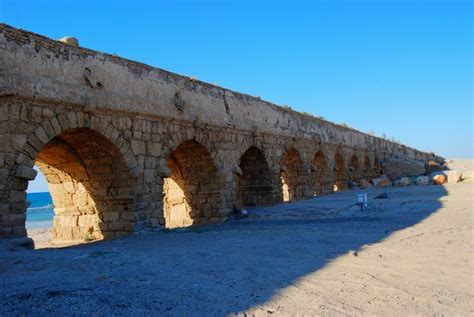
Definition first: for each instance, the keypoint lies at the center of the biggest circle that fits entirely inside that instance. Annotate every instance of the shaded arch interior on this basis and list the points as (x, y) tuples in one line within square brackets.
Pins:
[(192, 192), (367, 168), (340, 179), (320, 175), (354, 168), (90, 184), (292, 176), (254, 184), (377, 167)]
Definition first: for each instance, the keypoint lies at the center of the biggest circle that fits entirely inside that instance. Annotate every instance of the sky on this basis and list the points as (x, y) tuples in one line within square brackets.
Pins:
[(400, 68)]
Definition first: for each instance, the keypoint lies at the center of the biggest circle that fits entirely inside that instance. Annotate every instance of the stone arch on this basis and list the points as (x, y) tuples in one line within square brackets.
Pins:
[(367, 168), (377, 167), (293, 176), (254, 181), (354, 174), (73, 120), (192, 193), (340, 179), (320, 174), (90, 186), (203, 137), (91, 175)]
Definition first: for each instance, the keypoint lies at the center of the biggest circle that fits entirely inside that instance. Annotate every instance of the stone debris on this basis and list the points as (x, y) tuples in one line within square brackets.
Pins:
[(404, 181), (382, 181), (433, 166), (422, 180), (452, 176), (439, 179)]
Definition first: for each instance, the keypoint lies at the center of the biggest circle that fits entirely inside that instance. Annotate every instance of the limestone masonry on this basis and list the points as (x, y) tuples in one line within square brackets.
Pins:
[(126, 146)]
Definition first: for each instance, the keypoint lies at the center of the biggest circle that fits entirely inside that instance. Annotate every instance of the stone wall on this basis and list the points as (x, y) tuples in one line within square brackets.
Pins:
[(126, 146)]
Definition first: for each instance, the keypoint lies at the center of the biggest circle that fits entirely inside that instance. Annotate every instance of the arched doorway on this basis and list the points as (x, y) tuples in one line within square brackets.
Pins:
[(254, 184), (192, 192), (292, 176), (340, 179), (90, 185), (354, 169), (320, 174)]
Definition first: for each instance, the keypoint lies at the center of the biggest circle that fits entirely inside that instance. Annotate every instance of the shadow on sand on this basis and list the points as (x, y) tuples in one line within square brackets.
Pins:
[(209, 270)]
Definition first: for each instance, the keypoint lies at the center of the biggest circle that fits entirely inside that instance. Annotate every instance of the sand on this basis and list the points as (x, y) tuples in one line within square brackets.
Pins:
[(410, 254)]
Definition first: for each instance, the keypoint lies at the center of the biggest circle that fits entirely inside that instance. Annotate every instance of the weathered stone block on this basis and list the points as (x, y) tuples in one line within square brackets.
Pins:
[(138, 147), (87, 221), (18, 141), (13, 220), (25, 172), (48, 113), (41, 135), (3, 176), (19, 184), (110, 216), (17, 196), (63, 122), (154, 149), (56, 126), (4, 209), (115, 226), (65, 221), (23, 159)]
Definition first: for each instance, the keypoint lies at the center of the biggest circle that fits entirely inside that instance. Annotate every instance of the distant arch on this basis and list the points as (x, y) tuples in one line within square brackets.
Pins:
[(292, 176), (367, 168), (340, 179), (254, 182), (320, 174), (354, 168), (377, 167), (192, 192)]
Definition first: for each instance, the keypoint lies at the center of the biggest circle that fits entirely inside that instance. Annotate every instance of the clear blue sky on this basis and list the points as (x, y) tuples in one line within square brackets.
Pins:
[(403, 68)]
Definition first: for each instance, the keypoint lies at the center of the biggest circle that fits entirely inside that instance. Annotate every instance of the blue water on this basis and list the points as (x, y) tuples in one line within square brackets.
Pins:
[(40, 213)]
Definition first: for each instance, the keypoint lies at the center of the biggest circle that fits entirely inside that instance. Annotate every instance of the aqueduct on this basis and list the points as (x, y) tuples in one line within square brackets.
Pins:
[(125, 146)]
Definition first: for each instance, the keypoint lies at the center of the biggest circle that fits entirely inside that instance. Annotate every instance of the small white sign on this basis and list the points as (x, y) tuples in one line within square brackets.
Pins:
[(362, 199)]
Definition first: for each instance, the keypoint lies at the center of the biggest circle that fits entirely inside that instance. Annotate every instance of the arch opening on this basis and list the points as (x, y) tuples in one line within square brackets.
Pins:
[(90, 186), (254, 184), (367, 169), (354, 169), (292, 176), (340, 179), (377, 167), (192, 192), (320, 174)]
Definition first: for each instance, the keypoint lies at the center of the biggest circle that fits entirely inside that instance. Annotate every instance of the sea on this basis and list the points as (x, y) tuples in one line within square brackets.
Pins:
[(40, 213)]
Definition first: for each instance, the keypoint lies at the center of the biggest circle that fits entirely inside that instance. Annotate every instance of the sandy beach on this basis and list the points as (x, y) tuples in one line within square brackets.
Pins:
[(408, 254)]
